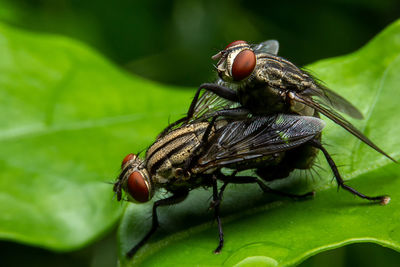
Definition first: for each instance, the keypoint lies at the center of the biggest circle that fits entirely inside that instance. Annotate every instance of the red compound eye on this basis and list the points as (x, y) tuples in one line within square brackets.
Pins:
[(137, 187), (243, 65), (235, 43), (127, 158)]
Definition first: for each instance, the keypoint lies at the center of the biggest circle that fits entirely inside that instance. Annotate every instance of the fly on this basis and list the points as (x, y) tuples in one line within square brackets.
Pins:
[(254, 79), (189, 157)]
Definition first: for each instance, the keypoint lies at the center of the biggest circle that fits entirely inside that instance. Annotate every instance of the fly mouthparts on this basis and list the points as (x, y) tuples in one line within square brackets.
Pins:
[(217, 56)]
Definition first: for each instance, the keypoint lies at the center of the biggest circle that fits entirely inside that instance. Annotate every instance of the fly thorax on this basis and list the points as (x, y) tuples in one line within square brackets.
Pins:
[(163, 174), (181, 174), (262, 99), (172, 151), (171, 169), (269, 72)]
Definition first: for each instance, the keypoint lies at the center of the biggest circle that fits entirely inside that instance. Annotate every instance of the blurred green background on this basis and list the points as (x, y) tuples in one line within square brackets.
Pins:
[(172, 42)]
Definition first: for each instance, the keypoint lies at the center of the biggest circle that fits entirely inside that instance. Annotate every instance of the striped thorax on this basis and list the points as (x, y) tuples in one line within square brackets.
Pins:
[(164, 162)]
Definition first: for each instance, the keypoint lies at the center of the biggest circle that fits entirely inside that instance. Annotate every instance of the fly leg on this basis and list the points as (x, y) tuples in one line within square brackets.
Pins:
[(217, 197), (169, 127), (232, 113), (221, 91), (221, 192), (382, 199), (264, 188), (222, 189), (174, 199), (217, 201)]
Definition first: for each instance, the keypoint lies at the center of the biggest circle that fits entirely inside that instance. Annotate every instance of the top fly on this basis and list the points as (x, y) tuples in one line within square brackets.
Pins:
[(265, 116), (254, 79)]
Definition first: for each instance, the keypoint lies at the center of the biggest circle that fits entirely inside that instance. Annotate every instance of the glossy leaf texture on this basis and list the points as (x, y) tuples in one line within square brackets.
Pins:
[(272, 231), (68, 117)]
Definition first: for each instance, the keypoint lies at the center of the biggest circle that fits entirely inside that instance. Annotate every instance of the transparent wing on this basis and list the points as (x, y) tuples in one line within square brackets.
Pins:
[(209, 103), (323, 100), (326, 97), (302, 82), (337, 118), (256, 137), (269, 46), (206, 106)]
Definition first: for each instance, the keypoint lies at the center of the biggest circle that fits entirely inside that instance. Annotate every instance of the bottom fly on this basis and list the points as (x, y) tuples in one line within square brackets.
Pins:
[(193, 155)]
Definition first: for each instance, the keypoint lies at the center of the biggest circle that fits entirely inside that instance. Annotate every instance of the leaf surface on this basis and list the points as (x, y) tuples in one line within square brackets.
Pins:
[(67, 118)]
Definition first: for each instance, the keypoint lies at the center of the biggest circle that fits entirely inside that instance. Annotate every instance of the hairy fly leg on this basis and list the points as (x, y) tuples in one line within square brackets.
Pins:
[(382, 199), (217, 201), (217, 197), (222, 189), (221, 91), (174, 199), (170, 126)]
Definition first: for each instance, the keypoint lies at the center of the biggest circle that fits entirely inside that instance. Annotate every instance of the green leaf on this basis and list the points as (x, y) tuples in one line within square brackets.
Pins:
[(67, 118), (268, 231)]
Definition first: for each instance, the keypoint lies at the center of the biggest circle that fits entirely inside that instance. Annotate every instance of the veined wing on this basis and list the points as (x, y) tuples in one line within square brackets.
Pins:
[(206, 106), (301, 82), (209, 103), (328, 98), (258, 136), (269, 46), (337, 118)]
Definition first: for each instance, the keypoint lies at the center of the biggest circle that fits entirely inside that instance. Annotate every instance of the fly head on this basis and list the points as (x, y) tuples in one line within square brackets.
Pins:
[(236, 62), (134, 180)]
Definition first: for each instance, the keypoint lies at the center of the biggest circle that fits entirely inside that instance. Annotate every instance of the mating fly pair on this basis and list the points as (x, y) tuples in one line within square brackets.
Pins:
[(262, 114)]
